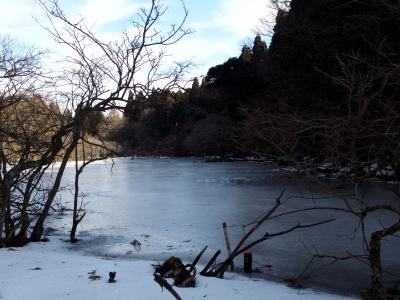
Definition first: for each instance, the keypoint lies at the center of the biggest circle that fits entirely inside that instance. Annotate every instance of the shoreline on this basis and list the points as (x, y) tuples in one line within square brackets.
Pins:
[(63, 274)]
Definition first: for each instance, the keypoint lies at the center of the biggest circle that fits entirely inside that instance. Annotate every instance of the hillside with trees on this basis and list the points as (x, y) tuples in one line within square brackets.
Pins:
[(334, 59), (201, 120)]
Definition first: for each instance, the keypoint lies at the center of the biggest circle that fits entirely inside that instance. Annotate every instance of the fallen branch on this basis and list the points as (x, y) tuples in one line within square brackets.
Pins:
[(196, 260), (164, 284), (205, 272), (220, 270), (268, 236)]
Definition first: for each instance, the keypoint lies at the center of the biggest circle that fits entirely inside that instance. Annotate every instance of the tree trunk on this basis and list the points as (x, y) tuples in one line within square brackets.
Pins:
[(4, 203), (8, 221), (377, 287), (76, 196), (3, 206), (377, 290), (22, 237), (38, 229), (73, 238)]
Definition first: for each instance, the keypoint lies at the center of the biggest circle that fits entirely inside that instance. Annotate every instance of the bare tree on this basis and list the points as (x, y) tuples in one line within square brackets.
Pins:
[(350, 133), (99, 150), (358, 146), (279, 9), (99, 82), (97, 77), (21, 76)]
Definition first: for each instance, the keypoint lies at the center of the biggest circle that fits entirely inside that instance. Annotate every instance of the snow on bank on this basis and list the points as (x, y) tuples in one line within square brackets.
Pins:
[(48, 271)]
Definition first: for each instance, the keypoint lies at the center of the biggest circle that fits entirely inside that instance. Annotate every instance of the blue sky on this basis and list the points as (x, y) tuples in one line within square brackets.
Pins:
[(220, 26)]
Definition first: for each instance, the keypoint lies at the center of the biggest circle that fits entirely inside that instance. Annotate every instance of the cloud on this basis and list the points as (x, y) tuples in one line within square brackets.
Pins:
[(203, 52), (221, 28), (16, 17), (237, 18), (222, 34), (102, 12), (241, 18)]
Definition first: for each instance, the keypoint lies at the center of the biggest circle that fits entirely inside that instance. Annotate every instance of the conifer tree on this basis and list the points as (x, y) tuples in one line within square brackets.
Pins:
[(128, 111), (260, 51), (246, 55), (195, 84)]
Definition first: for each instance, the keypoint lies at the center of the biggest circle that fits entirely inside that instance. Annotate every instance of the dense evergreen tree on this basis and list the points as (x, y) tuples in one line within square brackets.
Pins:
[(195, 84), (135, 106), (259, 51), (129, 108), (246, 55), (93, 122)]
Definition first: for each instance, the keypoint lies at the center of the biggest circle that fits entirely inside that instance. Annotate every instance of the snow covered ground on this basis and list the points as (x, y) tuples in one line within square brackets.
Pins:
[(48, 271)]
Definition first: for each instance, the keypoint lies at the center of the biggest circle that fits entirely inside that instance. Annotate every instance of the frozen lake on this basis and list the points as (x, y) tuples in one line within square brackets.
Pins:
[(177, 206)]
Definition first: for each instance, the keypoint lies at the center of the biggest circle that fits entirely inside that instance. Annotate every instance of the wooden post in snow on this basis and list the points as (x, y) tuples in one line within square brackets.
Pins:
[(228, 244)]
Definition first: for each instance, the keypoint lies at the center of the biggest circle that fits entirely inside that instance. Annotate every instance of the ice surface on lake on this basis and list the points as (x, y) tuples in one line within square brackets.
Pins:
[(177, 206)]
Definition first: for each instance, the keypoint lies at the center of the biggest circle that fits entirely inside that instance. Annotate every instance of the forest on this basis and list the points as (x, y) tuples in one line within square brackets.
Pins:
[(331, 59)]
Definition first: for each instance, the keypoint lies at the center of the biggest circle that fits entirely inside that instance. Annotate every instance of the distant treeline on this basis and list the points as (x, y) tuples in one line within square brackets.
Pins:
[(329, 62)]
